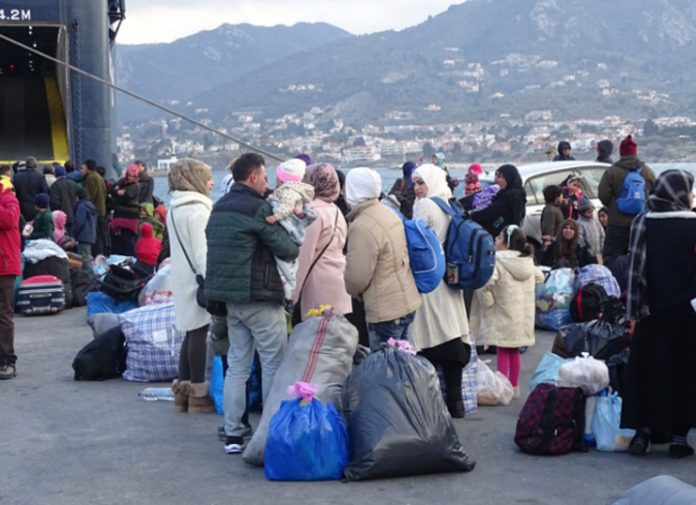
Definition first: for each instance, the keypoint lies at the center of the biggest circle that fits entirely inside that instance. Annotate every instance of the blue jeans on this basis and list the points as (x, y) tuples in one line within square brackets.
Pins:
[(396, 329)]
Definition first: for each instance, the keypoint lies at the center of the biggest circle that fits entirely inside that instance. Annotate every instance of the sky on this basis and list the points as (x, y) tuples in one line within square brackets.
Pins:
[(151, 21)]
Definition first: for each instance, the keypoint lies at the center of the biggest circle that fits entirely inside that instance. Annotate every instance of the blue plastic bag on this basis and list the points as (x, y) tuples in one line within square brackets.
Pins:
[(306, 441), (547, 370), (606, 424), (99, 302), (553, 299), (217, 385)]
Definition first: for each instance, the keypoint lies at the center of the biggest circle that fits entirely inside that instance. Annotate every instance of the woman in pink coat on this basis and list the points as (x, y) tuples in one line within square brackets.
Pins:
[(321, 261)]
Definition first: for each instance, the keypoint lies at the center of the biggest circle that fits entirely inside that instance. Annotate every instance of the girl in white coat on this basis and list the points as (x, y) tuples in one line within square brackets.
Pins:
[(190, 183), (503, 310), (440, 330)]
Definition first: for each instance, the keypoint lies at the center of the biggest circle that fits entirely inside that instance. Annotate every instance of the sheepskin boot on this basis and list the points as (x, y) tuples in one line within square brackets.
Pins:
[(199, 401), (181, 390)]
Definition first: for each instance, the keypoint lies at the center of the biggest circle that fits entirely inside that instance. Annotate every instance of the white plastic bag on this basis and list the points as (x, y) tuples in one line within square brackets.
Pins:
[(158, 289), (585, 372), (606, 424), (492, 388)]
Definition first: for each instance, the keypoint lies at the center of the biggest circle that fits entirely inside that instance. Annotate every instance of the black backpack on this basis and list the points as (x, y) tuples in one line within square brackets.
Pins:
[(588, 303), (103, 358)]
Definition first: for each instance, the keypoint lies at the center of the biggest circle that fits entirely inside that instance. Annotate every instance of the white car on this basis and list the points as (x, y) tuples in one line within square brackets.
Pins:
[(536, 176)]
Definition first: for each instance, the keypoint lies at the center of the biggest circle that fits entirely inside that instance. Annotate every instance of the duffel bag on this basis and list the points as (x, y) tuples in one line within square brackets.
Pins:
[(41, 294), (103, 358)]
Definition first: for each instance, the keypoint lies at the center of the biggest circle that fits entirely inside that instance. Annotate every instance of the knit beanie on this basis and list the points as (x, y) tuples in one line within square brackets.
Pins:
[(291, 170), (41, 201), (628, 147), (475, 168), (60, 171)]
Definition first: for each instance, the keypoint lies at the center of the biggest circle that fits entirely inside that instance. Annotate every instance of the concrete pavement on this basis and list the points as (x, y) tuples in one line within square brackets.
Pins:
[(66, 442)]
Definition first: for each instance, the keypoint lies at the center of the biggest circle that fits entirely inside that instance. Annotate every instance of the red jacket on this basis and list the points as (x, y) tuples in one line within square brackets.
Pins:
[(147, 248), (10, 240)]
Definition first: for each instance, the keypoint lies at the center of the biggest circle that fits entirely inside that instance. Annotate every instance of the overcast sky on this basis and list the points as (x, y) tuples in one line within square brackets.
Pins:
[(150, 21)]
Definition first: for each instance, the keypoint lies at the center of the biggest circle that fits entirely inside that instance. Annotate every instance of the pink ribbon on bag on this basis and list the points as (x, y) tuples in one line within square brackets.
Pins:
[(402, 345), (303, 390)]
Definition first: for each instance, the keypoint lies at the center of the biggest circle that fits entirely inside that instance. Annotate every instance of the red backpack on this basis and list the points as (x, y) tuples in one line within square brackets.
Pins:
[(552, 421)]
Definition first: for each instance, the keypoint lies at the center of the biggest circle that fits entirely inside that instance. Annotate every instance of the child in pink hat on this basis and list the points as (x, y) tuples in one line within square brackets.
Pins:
[(472, 179)]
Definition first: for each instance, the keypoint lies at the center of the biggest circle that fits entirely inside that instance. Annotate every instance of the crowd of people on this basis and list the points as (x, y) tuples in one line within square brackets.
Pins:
[(325, 238)]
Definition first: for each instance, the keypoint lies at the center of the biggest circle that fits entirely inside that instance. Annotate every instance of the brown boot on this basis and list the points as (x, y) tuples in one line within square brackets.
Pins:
[(181, 390), (199, 401)]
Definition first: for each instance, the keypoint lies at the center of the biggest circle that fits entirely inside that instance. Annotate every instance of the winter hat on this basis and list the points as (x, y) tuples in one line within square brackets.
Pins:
[(584, 204), (475, 168), (362, 184), (41, 201), (291, 170), (133, 170), (304, 157), (60, 171), (628, 147)]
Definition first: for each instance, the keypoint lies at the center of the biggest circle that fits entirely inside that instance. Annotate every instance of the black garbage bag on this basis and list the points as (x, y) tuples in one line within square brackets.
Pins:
[(618, 365), (124, 281), (598, 337), (398, 423), (102, 358)]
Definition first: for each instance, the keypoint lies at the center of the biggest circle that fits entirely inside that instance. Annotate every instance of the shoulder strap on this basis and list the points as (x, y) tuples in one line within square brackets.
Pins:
[(333, 233), (446, 208), (176, 232)]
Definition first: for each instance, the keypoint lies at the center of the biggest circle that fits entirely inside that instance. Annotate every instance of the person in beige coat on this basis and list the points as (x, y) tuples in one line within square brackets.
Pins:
[(190, 183), (440, 331), (377, 265), (502, 312)]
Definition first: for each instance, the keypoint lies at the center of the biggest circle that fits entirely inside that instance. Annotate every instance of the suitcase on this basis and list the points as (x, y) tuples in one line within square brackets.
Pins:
[(41, 294)]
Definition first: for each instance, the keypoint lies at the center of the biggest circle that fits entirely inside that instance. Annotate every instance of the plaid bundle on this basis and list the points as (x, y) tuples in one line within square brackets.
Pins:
[(469, 384), (600, 275), (153, 343)]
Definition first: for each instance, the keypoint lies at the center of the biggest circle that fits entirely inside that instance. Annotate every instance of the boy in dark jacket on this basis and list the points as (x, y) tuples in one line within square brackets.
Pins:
[(84, 228), (43, 222)]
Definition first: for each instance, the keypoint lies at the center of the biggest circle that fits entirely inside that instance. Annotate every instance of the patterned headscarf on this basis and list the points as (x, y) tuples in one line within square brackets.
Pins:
[(670, 194), (324, 178), (190, 175)]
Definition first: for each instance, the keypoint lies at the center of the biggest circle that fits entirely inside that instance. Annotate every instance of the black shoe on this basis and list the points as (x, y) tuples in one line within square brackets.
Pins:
[(456, 409), (234, 445), (640, 443), (679, 451), (8, 371)]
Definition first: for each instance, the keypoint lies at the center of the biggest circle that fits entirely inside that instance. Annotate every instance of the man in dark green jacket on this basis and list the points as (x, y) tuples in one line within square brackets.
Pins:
[(610, 187), (242, 272)]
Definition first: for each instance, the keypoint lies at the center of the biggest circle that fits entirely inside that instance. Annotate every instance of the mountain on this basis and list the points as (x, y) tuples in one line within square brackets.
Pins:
[(484, 58), (200, 62)]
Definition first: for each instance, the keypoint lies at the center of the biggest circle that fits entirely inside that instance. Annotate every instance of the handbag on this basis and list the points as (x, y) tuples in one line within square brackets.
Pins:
[(297, 312), (200, 280)]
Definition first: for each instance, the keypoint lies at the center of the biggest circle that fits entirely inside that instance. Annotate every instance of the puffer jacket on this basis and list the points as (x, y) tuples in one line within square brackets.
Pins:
[(502, 312), (612, 182), (241, 248), (84, 228), (10, 241), (377, 266)]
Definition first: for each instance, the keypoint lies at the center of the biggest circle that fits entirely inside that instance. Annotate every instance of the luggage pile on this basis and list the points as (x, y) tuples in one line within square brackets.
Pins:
[(575, 402), (332, 416)]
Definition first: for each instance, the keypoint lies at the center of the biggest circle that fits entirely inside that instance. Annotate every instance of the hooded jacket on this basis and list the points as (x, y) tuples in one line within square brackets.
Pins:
[(612, 182), (147, 248), (563, 145), (502, 312), (84, 227)]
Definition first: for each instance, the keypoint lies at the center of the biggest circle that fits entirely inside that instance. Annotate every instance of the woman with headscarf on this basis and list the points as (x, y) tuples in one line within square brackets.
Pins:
[(321, 263), (377, 265), (508, 205), (403, 190), (568, 250), (660, 392), (440, 331), (190, 184), (125, 221)]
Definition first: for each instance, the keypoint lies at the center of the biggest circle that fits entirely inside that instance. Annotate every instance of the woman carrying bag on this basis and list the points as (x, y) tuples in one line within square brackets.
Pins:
[(190, 183), (322, 264)]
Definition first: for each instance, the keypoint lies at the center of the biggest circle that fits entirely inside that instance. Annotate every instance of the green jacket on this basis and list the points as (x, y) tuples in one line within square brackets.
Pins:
[(43, 226), (241, 267), (96, 191), (612, 183)]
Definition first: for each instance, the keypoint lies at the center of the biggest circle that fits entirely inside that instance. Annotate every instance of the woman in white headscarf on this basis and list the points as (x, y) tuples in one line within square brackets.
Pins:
[(440, 331)]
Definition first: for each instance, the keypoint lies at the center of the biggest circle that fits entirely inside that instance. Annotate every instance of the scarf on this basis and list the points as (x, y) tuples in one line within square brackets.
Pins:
[(671, 193), (362, 184), (324, 178), (435, 179)]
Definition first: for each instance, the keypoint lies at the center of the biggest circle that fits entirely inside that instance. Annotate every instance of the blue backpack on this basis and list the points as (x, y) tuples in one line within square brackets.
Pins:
[(632, 197), (424, 253), (469, 250)]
